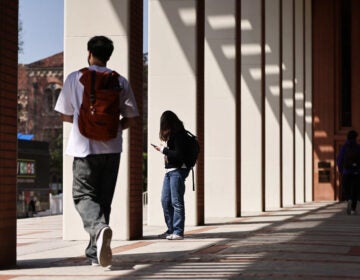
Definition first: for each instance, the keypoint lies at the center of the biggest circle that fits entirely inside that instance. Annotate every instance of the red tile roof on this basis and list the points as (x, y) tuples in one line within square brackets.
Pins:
[(56, 60)]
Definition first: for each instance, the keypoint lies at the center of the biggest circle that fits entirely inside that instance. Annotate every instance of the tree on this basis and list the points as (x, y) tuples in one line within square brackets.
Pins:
[(20, 35)]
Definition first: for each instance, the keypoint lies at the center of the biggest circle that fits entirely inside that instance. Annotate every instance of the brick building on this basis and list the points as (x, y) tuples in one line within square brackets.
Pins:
[(39, 85)]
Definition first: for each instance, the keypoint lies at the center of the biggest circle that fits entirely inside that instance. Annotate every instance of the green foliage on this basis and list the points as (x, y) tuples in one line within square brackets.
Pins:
[(20, 40), (56, 157)]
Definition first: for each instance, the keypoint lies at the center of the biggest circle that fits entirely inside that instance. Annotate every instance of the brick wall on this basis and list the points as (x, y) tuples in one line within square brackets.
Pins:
[(136, 133), (8, 129)]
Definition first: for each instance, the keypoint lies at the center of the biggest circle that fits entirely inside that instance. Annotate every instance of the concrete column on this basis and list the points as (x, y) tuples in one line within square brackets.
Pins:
[(272, 105), (251, 99), (171, 86), (299, 103), (80, 25), (220, 109), (288, 104), (308, 104)]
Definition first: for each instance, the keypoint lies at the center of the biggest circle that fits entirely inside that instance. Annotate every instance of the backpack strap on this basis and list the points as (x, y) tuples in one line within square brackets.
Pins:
[(92, 89), (83, 70), (109, 82)]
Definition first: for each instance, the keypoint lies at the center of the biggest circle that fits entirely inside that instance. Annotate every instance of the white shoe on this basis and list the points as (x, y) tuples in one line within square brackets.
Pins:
[(104, 253), (95, 263), (175, 236)]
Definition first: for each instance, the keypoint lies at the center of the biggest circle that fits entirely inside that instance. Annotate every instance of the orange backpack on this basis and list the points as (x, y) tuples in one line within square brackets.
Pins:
[(99, 114)]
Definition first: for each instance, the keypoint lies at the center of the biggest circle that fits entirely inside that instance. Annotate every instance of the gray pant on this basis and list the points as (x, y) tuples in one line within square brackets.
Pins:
[(94, 180)]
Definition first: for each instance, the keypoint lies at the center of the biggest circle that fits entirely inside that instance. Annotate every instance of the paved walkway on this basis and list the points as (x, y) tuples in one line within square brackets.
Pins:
[(310, 241)]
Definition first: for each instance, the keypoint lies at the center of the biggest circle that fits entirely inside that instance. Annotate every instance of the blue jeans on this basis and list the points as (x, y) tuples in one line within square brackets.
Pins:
[(172, 200), (94, 180)]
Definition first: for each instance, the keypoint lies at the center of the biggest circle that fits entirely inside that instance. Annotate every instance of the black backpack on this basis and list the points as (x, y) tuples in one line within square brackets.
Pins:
[(192, 152), (352, 158)]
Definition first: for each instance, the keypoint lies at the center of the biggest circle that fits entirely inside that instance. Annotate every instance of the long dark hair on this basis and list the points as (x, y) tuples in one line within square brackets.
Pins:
[(169, 123)]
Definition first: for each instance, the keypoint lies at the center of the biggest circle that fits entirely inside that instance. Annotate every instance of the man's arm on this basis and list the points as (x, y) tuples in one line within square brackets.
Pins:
[(127, 122), (67, 118)]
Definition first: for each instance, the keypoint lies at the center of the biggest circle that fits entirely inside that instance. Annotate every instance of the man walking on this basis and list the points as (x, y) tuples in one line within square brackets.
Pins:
[(96, 159), (348, 162)]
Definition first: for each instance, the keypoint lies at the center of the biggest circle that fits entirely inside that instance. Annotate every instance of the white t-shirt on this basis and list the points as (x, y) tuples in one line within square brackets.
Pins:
[(69, 103)]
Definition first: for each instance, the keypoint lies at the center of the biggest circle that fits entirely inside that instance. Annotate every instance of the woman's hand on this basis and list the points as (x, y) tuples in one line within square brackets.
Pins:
[(158, 148)]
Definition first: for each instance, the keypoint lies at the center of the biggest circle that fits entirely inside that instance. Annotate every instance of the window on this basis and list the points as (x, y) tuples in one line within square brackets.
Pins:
[(52, 92)]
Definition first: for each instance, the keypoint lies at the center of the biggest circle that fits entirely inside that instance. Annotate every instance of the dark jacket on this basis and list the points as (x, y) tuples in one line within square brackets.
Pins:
[(340, 158), (175, 150)]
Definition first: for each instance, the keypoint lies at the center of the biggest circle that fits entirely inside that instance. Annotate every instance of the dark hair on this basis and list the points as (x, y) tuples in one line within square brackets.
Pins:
[(169, 123), (352, 135), (101, 47)]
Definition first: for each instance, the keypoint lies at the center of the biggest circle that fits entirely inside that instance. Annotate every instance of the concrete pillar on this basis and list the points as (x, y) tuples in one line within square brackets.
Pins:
[(272, 105), (80, 26), (171, 86), (288, 104), (220, 109), (251, 108), (299, 102), (308, 104)]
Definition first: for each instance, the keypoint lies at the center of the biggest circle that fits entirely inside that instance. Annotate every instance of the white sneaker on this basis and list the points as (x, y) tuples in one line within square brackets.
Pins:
[(104, 253), (175, 236)]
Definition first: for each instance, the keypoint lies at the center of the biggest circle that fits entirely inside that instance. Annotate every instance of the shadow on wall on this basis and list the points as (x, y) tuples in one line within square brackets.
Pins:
[(182, 14)]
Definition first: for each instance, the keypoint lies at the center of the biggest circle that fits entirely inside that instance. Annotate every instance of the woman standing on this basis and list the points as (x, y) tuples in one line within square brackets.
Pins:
[(172, 132)]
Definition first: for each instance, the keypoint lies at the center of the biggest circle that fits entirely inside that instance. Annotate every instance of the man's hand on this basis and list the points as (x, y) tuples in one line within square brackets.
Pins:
[(127, 122), (67, 118)]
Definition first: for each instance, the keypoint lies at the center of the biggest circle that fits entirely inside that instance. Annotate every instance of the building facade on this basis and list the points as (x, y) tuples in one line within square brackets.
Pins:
[(39, 85), (336, 88), (268, 86)]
